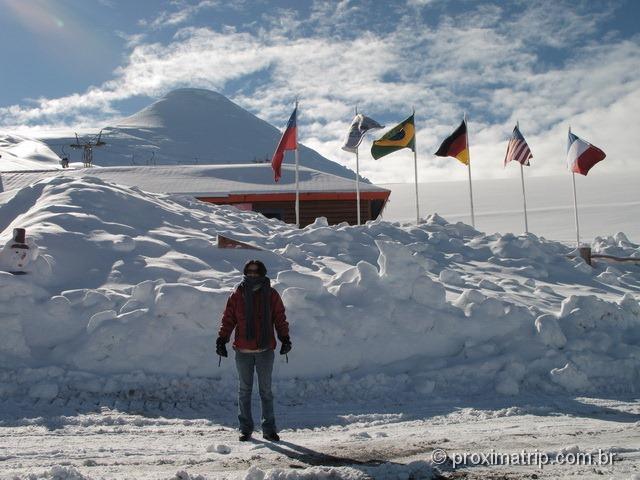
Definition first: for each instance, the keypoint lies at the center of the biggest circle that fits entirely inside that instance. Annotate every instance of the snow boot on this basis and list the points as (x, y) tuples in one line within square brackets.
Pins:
[(271, 437), (245, 437)]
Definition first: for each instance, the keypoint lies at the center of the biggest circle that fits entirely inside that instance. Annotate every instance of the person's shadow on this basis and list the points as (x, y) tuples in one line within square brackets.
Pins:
[(311, 457), (306, 458)]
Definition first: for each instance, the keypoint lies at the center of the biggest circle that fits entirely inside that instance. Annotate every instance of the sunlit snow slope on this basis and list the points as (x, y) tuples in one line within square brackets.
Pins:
[(18, 152)]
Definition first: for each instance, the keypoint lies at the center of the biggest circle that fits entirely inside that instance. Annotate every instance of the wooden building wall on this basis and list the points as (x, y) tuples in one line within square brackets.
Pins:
[(336, 211)]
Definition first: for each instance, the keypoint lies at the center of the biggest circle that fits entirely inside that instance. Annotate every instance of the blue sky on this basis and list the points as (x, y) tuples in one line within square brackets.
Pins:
[(547, 64)]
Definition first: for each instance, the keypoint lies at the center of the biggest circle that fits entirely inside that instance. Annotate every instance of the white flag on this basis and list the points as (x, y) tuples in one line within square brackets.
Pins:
[(361, 124)]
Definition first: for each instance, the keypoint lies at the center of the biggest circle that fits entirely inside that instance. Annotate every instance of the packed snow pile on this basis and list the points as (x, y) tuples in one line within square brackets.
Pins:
[(616, 245), (18, 152), (127, 289)]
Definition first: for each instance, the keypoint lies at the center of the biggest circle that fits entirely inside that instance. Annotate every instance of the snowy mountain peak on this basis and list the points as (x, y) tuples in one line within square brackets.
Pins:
[(197, 92), (184, 108)]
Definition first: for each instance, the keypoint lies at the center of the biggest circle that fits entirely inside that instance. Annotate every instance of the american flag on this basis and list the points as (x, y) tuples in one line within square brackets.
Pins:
[(518, 149)]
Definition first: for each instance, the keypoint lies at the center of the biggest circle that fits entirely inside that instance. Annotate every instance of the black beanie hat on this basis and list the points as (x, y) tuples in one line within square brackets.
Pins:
[(262, 270)]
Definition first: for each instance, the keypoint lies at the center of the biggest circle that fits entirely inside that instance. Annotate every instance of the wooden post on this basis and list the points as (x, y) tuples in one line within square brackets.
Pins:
[(585, 254)]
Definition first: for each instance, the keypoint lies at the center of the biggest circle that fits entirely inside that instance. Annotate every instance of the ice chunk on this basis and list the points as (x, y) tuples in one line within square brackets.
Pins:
[(435, 219), (99, 318), (144, 291), (254, 473), (94, 299), (489, 285), (353, 285), (183, 475), (451, 277), (429, 293), (219, 448), (571, 378), (293, 252), (630, 304), (398, 268), (469, 296), (550, 332), (309, 282), (609, 278), (58, 307), (124, 244), (318, 223)]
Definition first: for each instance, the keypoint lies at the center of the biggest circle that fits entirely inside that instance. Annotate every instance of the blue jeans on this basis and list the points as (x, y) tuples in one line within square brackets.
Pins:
[(262, 362)]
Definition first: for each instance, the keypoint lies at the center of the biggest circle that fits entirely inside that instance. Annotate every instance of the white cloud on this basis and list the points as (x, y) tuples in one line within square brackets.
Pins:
[(184, 12), (132, 40), (484, 62)]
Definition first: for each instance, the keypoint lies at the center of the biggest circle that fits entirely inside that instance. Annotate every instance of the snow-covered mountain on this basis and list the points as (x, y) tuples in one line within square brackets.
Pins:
[(191, 126)]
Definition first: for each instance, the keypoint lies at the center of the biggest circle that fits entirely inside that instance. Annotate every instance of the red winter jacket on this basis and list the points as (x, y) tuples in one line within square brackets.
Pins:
[(233, 317)]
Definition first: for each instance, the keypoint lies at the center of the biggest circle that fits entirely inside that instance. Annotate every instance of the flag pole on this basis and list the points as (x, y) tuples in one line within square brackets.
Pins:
[(524, 196), (297, 175), (575, 207), (473, 220), (357, 179), (415, 167), (575, 202)]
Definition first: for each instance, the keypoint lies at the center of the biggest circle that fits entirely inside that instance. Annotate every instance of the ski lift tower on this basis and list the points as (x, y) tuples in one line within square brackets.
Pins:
[(87, 147)]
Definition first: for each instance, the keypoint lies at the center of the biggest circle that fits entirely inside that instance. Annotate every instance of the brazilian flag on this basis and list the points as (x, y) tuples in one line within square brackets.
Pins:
[(401, 136)]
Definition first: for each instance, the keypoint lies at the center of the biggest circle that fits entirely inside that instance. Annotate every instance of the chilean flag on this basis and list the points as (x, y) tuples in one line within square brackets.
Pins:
[(581, 155), (288, 141)]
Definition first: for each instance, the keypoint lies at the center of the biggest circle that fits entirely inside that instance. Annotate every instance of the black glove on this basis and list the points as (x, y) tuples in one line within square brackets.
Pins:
[(221, 348), (286, 345)]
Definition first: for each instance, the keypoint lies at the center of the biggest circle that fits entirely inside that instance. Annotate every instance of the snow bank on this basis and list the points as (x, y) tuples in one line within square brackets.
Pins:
[(128, 289), (18, 152), (617, 245)]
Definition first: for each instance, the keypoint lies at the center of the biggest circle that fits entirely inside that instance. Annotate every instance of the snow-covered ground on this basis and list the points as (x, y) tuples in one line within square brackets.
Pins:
[(406, 339), (389, 440), (607, 203)]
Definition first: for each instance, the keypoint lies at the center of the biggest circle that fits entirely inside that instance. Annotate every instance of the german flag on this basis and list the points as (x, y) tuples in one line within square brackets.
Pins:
[(401, 136), (456, 145)]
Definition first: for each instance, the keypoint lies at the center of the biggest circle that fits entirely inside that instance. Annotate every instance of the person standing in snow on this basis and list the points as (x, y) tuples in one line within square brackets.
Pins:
[(253, 310)]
